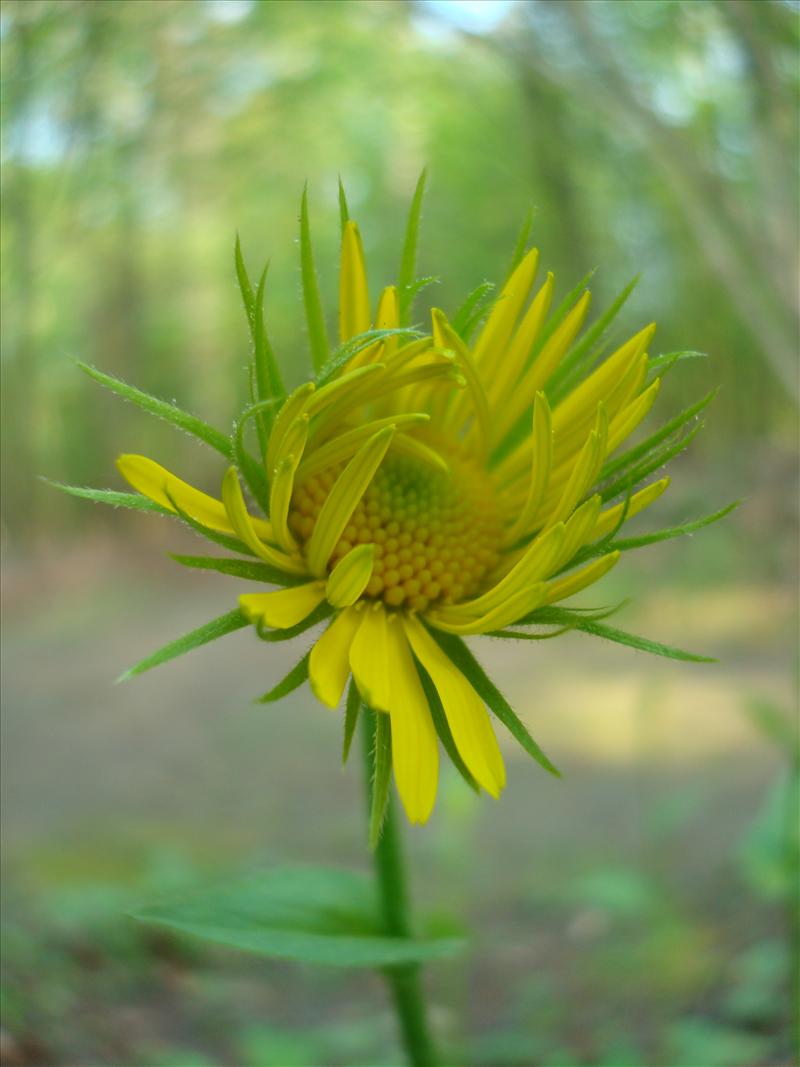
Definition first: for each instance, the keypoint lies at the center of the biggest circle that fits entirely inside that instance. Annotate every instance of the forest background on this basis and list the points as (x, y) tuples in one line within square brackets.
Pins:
[(643, 916)]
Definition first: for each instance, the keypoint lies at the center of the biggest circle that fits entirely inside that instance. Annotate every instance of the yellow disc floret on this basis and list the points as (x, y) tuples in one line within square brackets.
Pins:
[(436, 535)]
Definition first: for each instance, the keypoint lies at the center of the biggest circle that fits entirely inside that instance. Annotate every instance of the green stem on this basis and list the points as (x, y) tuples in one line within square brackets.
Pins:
[(404, 982)]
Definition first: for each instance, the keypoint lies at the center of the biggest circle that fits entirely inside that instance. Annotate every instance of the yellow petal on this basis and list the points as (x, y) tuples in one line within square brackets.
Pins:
[(294, 406), (494, 336), (349, 577), (329, 664), (344, 445), (369, 658), (285, 607), (466, 715), (542, 459), (446, 338), (415, 750), (506, 375), (354, 311), (573, 583), (343, 499), (156, 483), (245, 529)]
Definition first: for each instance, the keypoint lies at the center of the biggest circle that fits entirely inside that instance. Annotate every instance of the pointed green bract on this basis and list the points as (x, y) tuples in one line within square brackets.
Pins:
[(112, 497), (315, 316), (658, 457), (245, 288), (184, 420), (345, 352), (351, 713), (520, 245), (665, 362), (251, 571), (293, 680), (344, 210), (251, 470), (591, 626), (225, 624), (233, 544), (381, 777), (442, 727), (458, 652), (627, 458), (269, 384), (408, 259), (574, 364), (625, 544), (472, 310)]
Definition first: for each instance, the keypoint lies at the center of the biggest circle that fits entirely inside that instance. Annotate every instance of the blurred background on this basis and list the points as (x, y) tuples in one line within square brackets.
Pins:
[(638, 912)]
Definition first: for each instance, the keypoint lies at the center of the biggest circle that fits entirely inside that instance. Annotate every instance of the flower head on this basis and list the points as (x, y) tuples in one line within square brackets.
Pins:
[(425, 486)]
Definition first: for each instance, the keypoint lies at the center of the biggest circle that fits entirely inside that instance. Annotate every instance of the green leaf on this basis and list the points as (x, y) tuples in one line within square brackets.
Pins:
[(351, 711), (611, 633), (344, 211), (627, 543), (293, 680), (626, 459), (381, 776), (573, 365), (233, 544), (269, 384), (471, 310), (251, 571), (112, 497), (225, 624), (442, 728), (246, 289), (318, 615), (665, 362), (345, 352), (656, 459), (315, 316), (162, 410), (251, 470), (408, 259), (461, 656), (521, 244), (307, 914)]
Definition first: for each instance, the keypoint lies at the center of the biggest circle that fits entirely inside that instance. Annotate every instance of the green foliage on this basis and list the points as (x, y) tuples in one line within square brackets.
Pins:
[(251, 571), (381, 775), (351, 714), (162, 410), (345, 352), (461, 656), (306, 914), (472, 310), (576, 621), (408, 259), (225, 624), (521, 244), (315, 316), (293, 680), (442, 728), (112, 497)]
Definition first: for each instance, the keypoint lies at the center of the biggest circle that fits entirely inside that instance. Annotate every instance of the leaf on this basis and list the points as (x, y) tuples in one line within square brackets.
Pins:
[(233, 544), (521, 244), (647, 446), (293, 680), (251, 470), (161, 409), (442, 728), (344, 211), (318, 615), (307, 914), (611, 633), (225, 624), (665, 362), (573, 365), (112, 497), (269, 384), (408, 259), (634, 476), (315, 316), (252, 571), (345, 352), (466, 313), (351, 712), (461, 656), (381, 776), (245, 288)]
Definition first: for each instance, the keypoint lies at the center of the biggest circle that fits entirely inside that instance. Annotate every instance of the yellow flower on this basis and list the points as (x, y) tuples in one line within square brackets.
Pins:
[(422, 488)]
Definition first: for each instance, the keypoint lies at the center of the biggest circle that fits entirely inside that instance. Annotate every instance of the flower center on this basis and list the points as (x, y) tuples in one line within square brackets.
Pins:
[(436, 535)]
